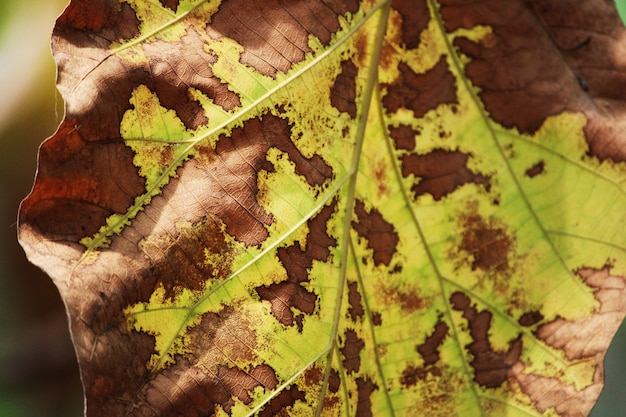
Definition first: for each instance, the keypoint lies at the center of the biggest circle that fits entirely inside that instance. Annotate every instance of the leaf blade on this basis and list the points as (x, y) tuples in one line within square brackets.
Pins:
[(254, 261)]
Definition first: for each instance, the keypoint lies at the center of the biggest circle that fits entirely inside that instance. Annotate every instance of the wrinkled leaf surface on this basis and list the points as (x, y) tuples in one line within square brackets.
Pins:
[(337, 207)]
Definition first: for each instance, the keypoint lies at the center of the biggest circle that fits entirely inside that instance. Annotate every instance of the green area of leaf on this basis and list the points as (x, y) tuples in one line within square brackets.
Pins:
[(357, 230)]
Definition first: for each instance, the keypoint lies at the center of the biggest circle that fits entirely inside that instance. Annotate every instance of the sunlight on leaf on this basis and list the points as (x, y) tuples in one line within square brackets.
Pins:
[(393, 208)]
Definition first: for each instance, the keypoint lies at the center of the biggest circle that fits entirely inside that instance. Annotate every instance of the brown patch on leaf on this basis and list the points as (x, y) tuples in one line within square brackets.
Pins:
[(176, 69), (429, 350), (241, 383), (223, 337), (229, 174), (193, 384), (403, 136), (536, 169), (343, 91), (79, 184), (95, 83), (351, 351), (409, 300), (491, 368), (111, 20), (421, 92), (377, 319), (180, 262), (365, 388), (101, 381), (203, 381), (291, 293), (192, 390), (313, 169), (313, 376), (487, 242), (170, 4), (590, 43), (285, 295), (330, 404), (362, 43), (530, 318), (380, 234), (415, 18), (440, 172), (532, 66), (413, 374), (354, 299), (334, 381), (274, 34), (85, 173), (521, 74), (279, 404)]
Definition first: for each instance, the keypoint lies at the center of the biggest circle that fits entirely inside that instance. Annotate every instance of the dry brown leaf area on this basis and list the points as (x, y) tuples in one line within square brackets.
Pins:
[(541, 59)]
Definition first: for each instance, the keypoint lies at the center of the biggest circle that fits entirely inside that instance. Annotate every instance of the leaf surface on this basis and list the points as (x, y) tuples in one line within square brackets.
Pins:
[(336, 207)]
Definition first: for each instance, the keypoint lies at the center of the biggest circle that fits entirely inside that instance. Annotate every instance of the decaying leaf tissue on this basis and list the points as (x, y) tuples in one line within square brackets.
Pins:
[(339, 207)]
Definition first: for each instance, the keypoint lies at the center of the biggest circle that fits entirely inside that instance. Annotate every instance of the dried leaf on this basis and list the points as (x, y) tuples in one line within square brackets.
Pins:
[(337, 208)]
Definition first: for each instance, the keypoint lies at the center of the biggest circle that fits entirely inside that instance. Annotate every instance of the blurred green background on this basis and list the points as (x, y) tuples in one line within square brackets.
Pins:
[(38, 372)]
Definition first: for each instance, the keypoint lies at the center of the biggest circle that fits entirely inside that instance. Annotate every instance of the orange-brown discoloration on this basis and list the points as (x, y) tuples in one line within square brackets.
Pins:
[(487, 242)]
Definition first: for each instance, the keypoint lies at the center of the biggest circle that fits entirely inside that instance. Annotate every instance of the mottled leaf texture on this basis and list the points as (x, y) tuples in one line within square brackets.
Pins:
[(337, 207)]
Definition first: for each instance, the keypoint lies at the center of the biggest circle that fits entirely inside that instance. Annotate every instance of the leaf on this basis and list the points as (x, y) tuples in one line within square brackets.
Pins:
[(336, 208)]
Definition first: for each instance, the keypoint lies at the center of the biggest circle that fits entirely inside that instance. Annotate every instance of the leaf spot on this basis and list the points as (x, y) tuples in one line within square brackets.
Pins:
[(279, 405), (354, 299), (112, 20), (530, 318), (404, 137), (413, 374), (415, 18), (421, 92), (440, 172), (573, 336), (365, 389), (408, 299), (343, 91), (170, 4), (231, 172), (491, 368), (296, 261), (429, 350), (71, 204), (487, 242), (380, 234), (536, 169), (351, 351)]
